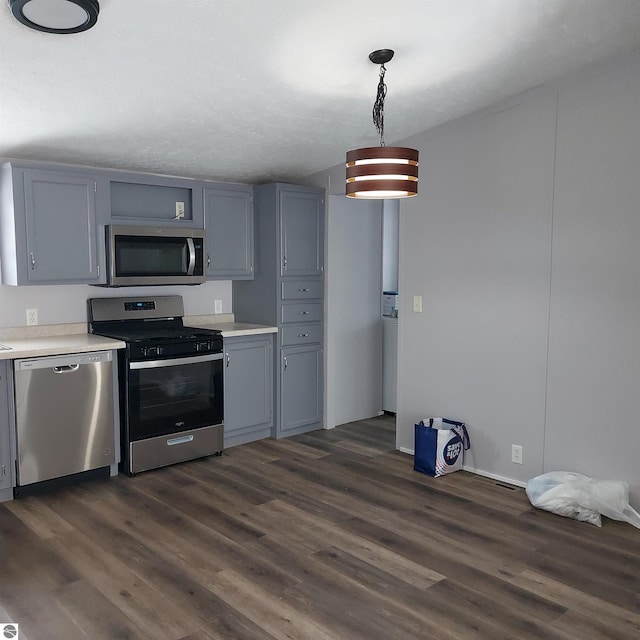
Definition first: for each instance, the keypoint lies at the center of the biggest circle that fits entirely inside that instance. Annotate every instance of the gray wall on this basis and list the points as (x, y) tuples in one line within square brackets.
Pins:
[(523, 245), (68, 303), (353, 328), (476, 245), (390, 243)]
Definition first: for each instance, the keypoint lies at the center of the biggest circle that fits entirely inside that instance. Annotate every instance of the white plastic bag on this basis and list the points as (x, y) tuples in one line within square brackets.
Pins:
[(582, 498)]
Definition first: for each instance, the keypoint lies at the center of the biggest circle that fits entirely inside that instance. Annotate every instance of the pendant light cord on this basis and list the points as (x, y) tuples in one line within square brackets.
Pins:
[(378, 106)]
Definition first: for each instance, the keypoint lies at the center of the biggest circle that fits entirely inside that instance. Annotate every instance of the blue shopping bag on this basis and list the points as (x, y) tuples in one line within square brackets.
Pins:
[(439, 446)]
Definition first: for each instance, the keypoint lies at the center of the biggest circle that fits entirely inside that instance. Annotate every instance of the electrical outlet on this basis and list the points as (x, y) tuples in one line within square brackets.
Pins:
[(32, 317), (417, 304), (217, 306), (516, 453), (179, 210)]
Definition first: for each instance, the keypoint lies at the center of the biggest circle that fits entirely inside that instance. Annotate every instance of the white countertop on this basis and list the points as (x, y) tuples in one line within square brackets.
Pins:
[(53, 340), (56, 345), (236, 329)]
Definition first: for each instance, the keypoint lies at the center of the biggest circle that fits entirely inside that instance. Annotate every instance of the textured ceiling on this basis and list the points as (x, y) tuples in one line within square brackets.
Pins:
[(255, 90)]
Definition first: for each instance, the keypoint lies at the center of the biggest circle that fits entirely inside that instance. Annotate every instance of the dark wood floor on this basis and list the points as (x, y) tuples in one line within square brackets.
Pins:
[(330, 535)]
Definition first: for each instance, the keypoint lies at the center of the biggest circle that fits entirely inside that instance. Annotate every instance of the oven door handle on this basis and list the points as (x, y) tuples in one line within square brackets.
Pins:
[(175, 362)]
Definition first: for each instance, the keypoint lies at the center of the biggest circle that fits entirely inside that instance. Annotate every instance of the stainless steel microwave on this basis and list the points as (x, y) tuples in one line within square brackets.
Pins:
[(139, 256)]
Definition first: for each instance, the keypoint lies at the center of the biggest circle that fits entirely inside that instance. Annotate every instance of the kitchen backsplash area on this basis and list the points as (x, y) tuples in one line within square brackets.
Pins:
[(61, 304)]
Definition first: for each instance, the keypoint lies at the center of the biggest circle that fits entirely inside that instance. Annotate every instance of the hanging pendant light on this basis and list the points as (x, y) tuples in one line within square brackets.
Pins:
[(382, 172)]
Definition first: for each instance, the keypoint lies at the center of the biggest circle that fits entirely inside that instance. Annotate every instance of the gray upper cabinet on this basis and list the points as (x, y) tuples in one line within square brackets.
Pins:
[(301, 233), (48, 224), (6, 477), (288, 291), (248, 389), (228, 220)]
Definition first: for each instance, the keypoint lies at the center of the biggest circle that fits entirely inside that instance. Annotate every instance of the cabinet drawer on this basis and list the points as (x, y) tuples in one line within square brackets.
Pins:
[(302, 290), (302, 334), (303, 312)]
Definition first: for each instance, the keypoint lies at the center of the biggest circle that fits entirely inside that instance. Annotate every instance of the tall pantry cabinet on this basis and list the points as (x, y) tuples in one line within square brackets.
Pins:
[(288, 291)]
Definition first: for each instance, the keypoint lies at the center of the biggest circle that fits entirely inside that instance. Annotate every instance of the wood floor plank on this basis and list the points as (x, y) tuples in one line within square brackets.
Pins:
[(144, 605), (39, 517), (584, 611), (272, 614), (92, 612)]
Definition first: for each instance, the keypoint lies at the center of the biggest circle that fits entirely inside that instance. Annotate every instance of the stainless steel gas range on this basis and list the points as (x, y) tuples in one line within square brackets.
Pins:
[(170, 380)]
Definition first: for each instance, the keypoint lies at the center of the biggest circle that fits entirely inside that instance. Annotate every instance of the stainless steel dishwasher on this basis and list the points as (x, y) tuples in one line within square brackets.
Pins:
[(64, 415)]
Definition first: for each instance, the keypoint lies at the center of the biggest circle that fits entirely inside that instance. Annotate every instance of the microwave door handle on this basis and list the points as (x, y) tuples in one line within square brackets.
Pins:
[(192, 256)]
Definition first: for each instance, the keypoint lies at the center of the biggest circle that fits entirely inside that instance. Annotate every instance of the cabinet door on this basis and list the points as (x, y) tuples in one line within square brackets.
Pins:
[(301, 387), (60, 216), (248, 389), (5, 440), (229, 232), (301, 233)]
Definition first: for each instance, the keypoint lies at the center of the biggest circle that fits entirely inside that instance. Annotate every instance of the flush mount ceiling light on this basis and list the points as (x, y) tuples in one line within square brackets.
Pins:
[(56, 16), (382, 172)]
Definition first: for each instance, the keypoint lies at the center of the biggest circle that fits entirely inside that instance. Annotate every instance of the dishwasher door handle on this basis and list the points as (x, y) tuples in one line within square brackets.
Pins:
[(66, 368)]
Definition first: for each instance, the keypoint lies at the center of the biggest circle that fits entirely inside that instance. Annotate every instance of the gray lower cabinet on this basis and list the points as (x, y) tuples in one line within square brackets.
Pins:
[(287, 290), (301, 395), (228, 221), (6, 467), (248, 389), (48, 226)]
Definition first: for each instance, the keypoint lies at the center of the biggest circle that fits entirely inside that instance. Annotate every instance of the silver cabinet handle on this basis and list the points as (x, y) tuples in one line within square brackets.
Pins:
[(302, 290), (208, 260), (33, 261), (4, 470), (303, 335), (228, 359), (67, 368), (303, 313), (284, 360), (284, 262)]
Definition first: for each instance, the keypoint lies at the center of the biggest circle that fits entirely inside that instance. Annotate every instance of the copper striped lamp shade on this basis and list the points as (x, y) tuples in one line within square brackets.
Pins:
[(382, 172)]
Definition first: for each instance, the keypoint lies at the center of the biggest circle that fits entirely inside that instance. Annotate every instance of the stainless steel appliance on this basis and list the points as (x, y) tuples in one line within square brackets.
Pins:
[(64, 415), (170, 380), (154, 255)]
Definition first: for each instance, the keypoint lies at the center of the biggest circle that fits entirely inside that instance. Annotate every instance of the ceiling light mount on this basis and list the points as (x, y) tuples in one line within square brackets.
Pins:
[(381, 172), (381, 56), (56, 16)]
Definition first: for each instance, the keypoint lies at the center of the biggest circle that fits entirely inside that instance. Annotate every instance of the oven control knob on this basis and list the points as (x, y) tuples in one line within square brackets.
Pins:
[(151, 351), (202, 346)]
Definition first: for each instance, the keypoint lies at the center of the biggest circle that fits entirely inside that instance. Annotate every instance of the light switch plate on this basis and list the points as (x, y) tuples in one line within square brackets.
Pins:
[(417, 304), (217, 306)]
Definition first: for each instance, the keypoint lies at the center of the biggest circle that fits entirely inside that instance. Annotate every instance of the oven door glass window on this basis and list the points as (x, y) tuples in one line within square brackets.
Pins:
[(173, 395)]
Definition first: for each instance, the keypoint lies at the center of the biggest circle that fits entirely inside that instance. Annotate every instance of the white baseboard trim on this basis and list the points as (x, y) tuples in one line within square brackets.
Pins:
[(479, 472), (494, 476)]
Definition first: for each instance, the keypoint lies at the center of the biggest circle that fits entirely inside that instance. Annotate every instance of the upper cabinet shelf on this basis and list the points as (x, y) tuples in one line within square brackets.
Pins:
[(158, 200)]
